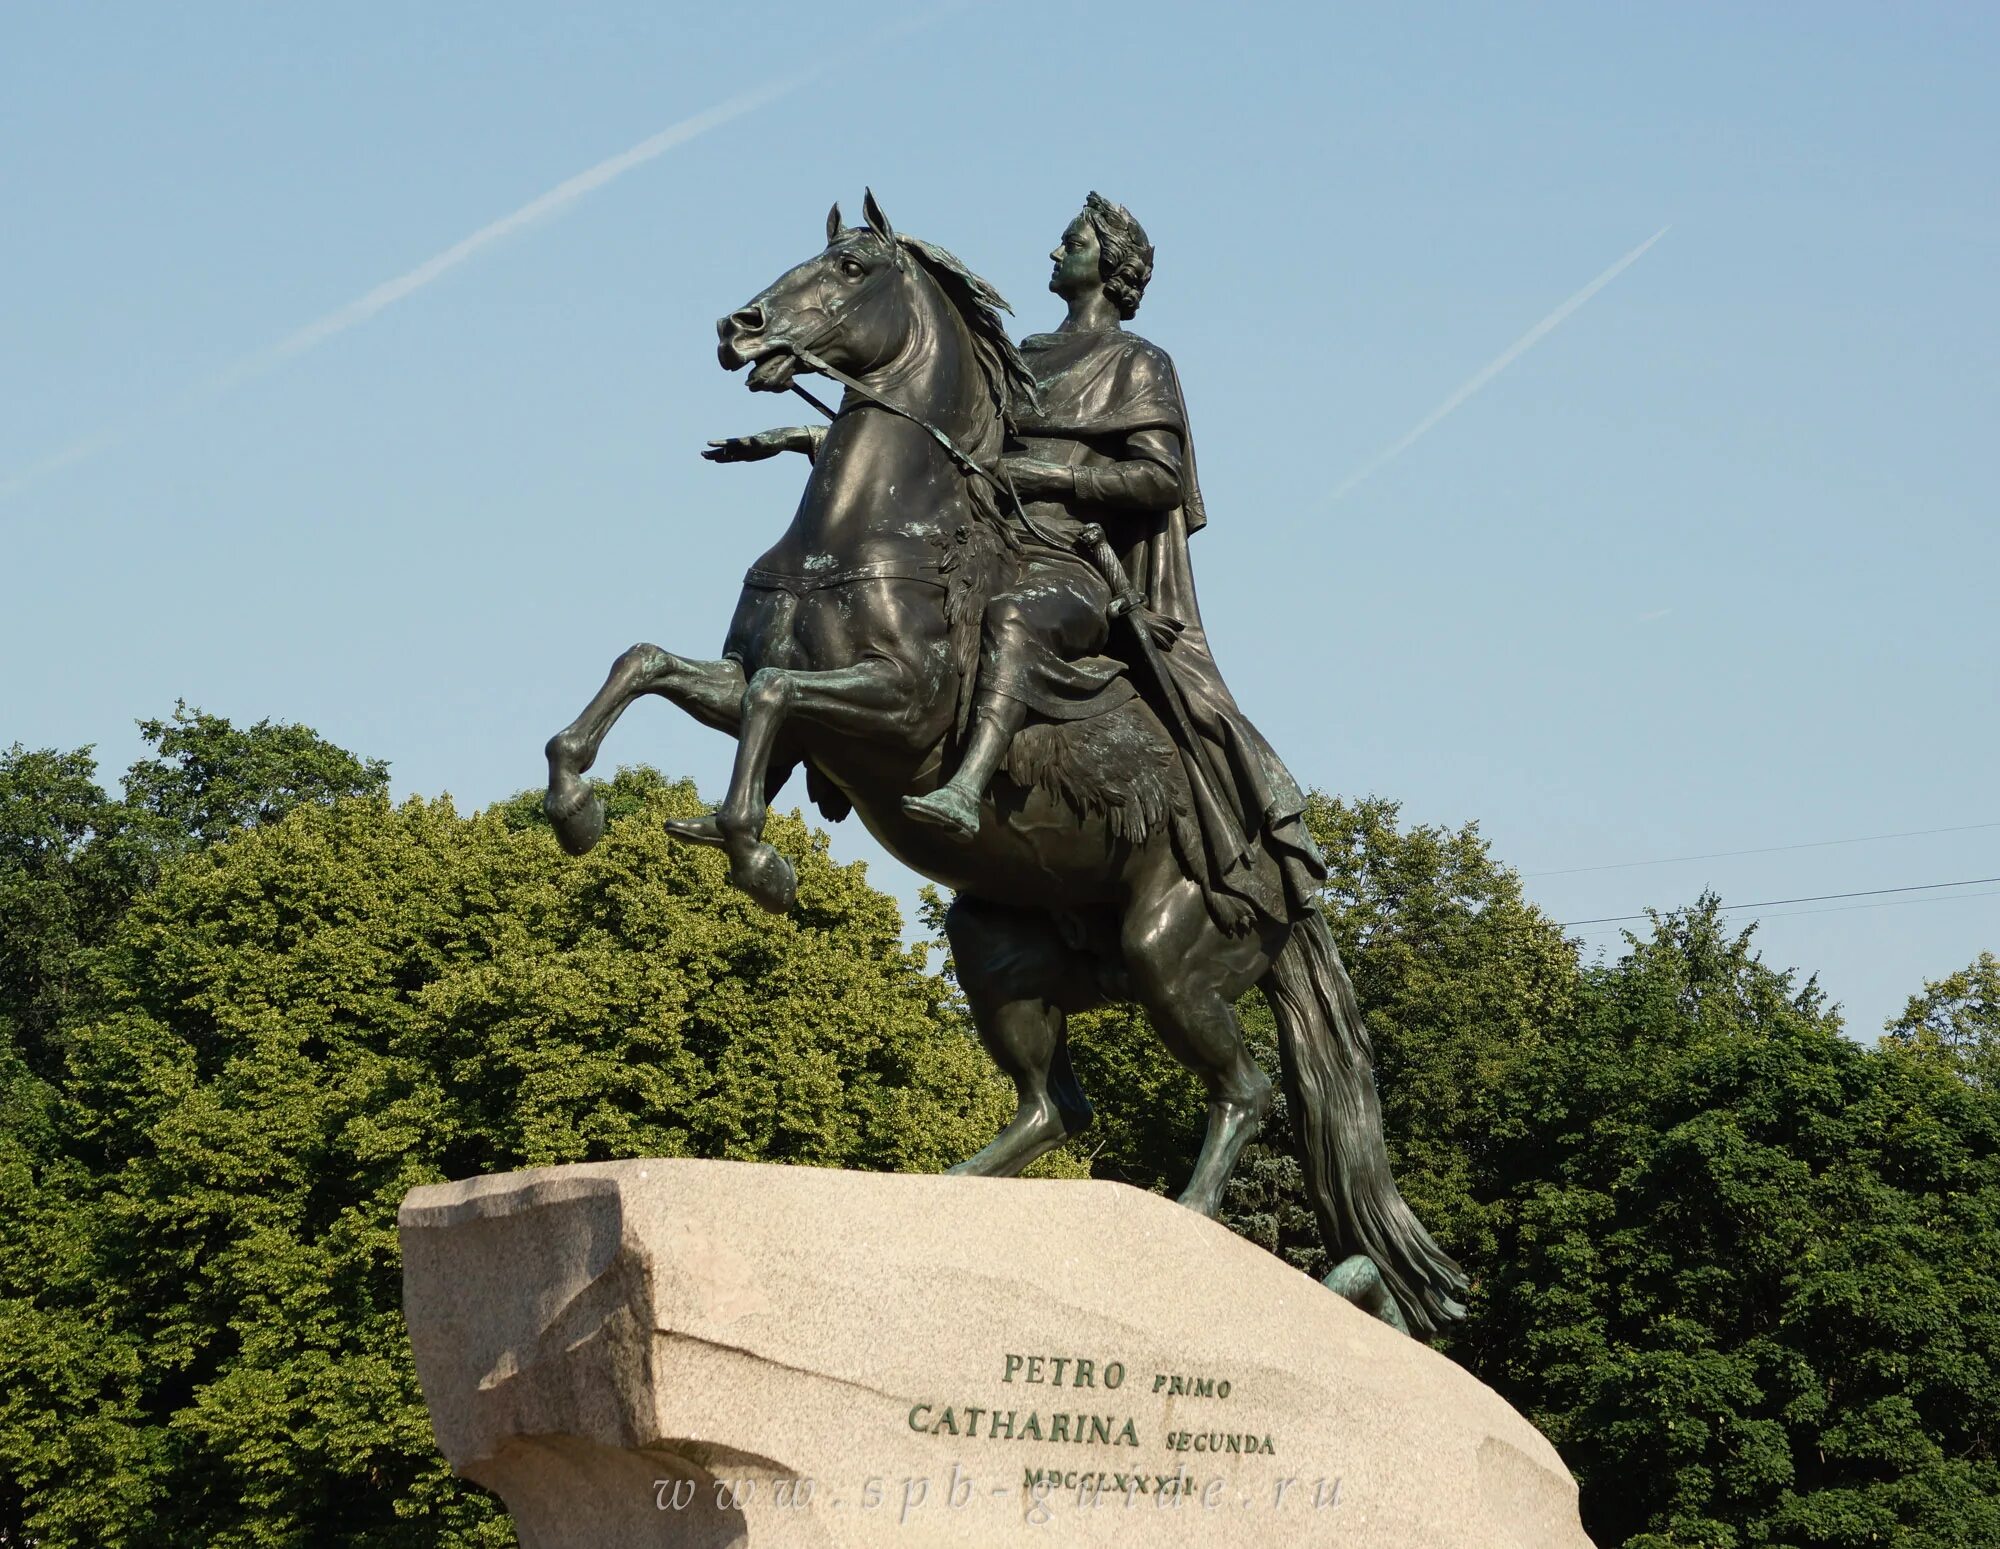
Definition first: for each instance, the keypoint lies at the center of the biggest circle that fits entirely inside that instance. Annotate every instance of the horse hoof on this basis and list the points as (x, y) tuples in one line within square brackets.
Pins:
[(577, 817), (767, 877), (1359, 1280)]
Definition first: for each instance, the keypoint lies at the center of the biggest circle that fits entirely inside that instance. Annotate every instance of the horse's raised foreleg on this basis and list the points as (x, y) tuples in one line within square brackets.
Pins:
[(1021, 979), (712, 692), (876, 698)]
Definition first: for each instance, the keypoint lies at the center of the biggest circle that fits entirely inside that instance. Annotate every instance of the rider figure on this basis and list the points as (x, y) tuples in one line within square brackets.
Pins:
[(1042, 637)]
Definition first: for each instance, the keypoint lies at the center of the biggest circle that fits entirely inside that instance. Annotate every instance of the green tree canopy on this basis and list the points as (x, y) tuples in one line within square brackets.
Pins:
[(72, 859), (1742, 1269), (1463, 982), (209, 780), (202, 1343), (57, 895), (1748, 1277), (1957, 1020)]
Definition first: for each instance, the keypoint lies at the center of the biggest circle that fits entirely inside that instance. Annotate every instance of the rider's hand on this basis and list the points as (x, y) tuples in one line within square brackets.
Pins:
[(1035, 479), (754, 449)]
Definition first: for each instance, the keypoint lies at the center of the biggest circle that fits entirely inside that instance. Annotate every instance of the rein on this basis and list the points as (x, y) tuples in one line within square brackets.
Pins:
[(972, 467), (957, 453)]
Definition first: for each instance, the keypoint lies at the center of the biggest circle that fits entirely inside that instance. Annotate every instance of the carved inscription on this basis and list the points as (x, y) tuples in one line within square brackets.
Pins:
[(1095, 1408)]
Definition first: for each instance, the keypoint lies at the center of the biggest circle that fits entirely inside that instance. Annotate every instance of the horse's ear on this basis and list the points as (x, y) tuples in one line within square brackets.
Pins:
[(833, 221), (877, 221)]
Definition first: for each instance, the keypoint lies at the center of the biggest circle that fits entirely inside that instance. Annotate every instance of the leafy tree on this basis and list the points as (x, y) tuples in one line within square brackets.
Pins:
[(295, 1027), (1744, 1271), (1463, 982), (56, 895), (72, 859), (1957, 1020), (1465, 985), (1748, 1276), (208, 780)]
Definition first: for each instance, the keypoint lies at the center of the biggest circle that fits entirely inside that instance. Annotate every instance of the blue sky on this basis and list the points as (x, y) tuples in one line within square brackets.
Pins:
[(1709, 568)]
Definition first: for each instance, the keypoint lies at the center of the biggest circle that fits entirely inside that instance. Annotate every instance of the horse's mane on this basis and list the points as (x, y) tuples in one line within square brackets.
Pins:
[(981, 306)]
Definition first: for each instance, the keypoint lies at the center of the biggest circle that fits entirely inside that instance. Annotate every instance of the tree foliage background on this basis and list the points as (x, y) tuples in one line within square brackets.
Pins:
[(248, 1010), (1742, 1269)]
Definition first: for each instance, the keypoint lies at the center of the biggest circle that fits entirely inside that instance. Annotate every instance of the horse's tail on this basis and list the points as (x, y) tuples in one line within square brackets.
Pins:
[(1329, 1075)]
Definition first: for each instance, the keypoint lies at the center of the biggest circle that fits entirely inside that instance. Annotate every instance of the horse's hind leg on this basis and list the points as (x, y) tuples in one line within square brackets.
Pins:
[(712, 692), (1187, 974), (1022, 981)]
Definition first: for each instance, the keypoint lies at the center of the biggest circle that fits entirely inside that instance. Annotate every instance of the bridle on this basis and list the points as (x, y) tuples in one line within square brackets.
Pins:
[(807, 355)]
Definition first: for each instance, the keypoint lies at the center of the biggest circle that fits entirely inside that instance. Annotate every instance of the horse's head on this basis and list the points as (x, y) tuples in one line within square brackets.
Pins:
[(852, 306)]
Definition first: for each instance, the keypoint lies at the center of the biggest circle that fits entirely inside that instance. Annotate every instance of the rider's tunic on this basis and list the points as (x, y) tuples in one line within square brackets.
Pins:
[(1110, 402)]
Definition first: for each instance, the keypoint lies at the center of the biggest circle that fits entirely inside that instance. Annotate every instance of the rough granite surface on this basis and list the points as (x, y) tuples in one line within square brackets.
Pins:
[(689, 1353)]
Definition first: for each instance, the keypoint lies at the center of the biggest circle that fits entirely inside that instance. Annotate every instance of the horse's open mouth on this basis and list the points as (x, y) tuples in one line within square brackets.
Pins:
[(773, 373)]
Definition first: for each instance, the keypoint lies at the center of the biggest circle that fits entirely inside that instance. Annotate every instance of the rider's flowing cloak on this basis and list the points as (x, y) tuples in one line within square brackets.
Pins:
[(1118, 396)]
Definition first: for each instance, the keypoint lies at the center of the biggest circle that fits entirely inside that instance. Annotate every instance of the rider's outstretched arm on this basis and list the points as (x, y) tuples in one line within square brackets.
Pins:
[(767, 443)]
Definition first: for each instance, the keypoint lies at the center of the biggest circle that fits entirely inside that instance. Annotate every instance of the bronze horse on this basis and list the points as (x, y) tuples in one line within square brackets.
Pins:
[(850, 652)]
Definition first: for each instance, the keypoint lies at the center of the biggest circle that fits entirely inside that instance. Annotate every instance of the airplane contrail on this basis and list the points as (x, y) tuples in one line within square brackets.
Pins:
[(536, 210), (1494, 367)]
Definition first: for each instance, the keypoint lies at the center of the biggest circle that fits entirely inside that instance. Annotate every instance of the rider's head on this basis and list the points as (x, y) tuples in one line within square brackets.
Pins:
[(1103, 250), (1124, 256)]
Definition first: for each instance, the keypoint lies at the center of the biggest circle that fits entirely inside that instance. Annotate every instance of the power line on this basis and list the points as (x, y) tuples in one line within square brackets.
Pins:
[(1892, 903), (1817, 898), (1769, 849)]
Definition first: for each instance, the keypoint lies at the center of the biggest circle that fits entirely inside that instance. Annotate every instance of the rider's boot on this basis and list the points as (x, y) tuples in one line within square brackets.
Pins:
[(954, 807)]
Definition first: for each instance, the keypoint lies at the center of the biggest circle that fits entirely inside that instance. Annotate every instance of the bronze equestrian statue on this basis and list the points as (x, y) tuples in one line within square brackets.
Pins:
[(980, 633)]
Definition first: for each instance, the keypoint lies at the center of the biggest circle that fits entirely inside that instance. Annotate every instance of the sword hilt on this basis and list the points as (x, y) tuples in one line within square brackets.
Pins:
[(1098, 550)]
